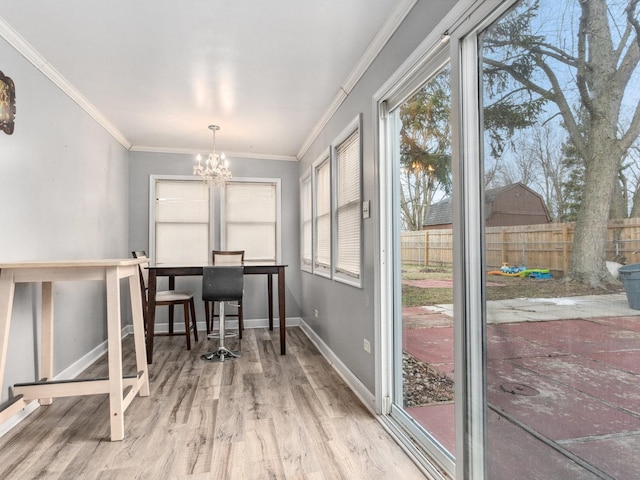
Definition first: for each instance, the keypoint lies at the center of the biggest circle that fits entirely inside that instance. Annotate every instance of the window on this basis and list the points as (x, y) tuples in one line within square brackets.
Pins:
[(306, 223), (322, 246), (251, 218), (334, 229), (180, 221), (347, 216)]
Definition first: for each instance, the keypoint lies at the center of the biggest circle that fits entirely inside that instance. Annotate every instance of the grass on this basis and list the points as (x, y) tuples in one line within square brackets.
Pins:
[(414, 272), (509, 287)]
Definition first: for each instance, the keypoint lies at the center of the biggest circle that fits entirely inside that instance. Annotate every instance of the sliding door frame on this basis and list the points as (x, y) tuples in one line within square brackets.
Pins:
[(429, 453), (457, 39)]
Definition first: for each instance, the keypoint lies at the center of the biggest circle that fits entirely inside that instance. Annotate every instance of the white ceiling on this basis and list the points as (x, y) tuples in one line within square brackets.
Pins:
[(156, 73)]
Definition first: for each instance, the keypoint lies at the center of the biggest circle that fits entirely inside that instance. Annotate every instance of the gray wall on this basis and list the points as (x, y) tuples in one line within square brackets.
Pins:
[(143, 164), (346, 314), (63, 195)]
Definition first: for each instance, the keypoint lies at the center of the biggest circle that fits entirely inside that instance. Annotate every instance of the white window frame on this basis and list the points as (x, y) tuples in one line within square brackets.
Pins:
[(306, 216), (322, 270), (153, 180), (342, 275), (223, 223)]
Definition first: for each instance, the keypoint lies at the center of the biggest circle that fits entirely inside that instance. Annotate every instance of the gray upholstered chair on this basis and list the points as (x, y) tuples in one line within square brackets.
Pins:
[(225, 258), (222, 284)]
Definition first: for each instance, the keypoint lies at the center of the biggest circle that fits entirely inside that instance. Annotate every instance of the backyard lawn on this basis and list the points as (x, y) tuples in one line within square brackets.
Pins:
[(499, 287)]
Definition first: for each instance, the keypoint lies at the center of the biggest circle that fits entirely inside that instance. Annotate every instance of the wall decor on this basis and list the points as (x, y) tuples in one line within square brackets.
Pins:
[(7, 104)]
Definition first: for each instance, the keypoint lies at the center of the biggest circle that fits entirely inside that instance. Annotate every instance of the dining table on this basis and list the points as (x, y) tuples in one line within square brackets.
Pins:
[(172, 271)]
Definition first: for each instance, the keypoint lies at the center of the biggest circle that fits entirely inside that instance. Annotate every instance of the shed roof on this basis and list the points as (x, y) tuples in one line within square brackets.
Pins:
[(441, 213)]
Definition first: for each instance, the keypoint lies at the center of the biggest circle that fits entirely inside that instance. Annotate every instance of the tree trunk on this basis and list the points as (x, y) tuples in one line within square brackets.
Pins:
[(600, 148), (635, 207), (587, 263)]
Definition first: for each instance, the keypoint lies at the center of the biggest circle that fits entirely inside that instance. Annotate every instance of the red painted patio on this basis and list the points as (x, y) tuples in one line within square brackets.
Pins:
[(562, 391)]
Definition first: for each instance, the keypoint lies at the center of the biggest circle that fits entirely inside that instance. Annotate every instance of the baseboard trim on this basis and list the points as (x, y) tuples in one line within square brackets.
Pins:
[(425, 465), (367, 398)]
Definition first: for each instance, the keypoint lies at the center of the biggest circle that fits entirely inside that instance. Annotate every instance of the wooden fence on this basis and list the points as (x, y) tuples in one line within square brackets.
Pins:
[(534, 246)]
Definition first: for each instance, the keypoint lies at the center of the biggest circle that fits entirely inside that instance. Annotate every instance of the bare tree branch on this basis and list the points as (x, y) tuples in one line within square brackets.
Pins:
[(628, 66), (631, 18), (623, 40), (556, 53), (570, 122), (633, 131), (540, 47), (555, 94), (582, 66)]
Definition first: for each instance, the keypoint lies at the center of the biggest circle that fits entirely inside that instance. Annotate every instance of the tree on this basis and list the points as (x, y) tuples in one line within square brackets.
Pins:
[(594, 74), (634, 175), (624, 188), (425, 149), (572, 187), (537, 162), (547, 154)]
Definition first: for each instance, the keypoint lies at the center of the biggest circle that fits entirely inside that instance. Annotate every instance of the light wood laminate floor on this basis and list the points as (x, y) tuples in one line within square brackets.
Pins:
[(264, 416)]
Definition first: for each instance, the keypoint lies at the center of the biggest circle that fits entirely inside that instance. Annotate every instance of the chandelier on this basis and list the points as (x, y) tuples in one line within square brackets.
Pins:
[(216, 169)]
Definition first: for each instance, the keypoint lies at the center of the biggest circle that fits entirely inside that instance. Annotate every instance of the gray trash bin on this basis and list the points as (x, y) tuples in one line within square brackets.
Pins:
[(630, 276)]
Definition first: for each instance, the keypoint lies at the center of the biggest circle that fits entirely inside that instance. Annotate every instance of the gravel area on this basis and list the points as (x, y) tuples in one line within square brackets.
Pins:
[(422, 384)]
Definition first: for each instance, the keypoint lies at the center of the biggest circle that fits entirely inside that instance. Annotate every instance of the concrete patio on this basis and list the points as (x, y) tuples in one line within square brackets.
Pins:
[(563, 390)]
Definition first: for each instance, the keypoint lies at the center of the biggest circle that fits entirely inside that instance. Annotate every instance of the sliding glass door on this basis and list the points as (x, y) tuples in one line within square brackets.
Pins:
[(418, 131), (510, 198), (560, 98)]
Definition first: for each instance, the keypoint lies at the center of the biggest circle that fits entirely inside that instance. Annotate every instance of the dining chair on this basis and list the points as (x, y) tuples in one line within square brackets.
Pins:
[(225, 258), (222, 284), (170, 298)]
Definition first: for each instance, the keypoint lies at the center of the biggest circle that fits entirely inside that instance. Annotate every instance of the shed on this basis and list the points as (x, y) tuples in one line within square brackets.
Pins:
[(514, 204)]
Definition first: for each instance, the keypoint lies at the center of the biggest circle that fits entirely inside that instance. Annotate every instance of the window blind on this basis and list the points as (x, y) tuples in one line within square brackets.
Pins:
[(348, 217), (181, 222), (306, 218), (250, 219), (323, 215)]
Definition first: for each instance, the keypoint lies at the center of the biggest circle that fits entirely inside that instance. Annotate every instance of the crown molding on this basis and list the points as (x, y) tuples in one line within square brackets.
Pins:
[(373, 50), (192, 151), (31, 54), (333, 107), (377, 44)]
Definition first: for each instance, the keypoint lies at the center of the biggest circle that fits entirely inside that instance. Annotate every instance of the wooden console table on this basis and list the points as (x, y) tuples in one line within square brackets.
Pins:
[(121, 390)]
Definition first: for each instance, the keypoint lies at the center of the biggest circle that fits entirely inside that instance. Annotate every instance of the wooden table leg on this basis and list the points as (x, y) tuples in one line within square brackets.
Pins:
[(114, 332), (138, 331), (151, 313), (7, 289), (282, 311), (46, 341), (172, 286), (270, 296)]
